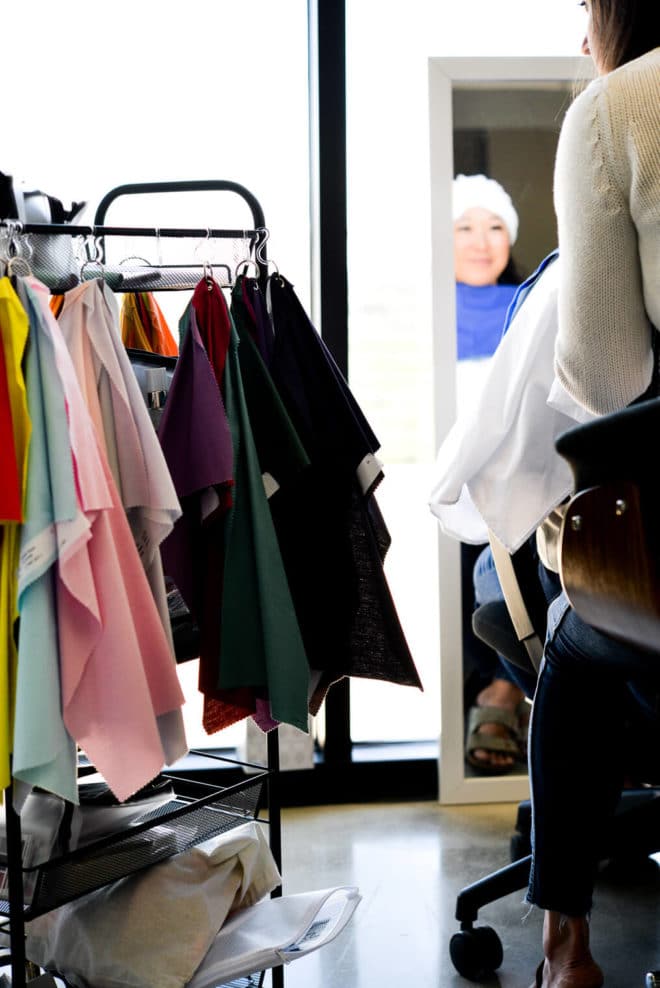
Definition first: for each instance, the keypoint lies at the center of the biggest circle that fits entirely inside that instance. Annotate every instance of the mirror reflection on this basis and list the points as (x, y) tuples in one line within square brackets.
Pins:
[(504, 141)]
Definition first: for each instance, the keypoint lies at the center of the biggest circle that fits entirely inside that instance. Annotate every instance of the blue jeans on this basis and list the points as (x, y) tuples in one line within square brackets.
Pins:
[(594, 719), (486, 589), (486, 581)]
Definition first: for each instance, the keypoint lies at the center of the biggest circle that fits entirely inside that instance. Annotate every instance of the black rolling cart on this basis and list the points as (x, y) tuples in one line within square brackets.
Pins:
[(197, 811)]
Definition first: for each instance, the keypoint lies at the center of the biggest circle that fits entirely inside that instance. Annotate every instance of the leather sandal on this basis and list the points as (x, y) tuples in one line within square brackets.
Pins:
[(477, 740)]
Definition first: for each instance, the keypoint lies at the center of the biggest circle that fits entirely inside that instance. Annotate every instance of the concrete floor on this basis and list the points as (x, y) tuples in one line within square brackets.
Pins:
[(409, 861)]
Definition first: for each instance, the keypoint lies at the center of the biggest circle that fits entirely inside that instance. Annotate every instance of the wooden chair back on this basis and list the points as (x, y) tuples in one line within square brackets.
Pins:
[(610, 541)]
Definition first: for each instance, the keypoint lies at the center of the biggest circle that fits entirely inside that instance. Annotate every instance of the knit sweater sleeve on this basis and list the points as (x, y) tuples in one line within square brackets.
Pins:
[(603, 354)]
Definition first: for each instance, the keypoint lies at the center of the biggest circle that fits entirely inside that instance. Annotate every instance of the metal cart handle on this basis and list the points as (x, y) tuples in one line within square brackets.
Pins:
[(201, 185)]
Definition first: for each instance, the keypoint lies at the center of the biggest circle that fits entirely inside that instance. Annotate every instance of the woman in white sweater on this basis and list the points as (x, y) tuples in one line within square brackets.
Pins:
[(607, 199), (607, 195)]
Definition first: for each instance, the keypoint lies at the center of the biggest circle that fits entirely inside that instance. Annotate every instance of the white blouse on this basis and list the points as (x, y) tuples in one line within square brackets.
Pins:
[(498, 469)]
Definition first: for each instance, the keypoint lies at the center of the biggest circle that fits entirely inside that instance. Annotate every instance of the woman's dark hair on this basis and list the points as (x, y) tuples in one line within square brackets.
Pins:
[(625, 30), (511, 275)]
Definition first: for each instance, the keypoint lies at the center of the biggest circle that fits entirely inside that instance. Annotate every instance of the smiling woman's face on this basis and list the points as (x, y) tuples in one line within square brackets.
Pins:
[(481, 247)]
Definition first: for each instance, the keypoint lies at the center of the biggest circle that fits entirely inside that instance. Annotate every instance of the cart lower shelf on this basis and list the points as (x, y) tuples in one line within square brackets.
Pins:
[(197, 813)]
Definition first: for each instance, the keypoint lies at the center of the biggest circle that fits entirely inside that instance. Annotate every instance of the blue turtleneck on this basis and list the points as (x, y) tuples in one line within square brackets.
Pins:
[(480, 314)]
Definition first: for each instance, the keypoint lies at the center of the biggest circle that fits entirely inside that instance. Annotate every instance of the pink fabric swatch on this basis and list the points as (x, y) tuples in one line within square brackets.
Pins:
[(117, 671)]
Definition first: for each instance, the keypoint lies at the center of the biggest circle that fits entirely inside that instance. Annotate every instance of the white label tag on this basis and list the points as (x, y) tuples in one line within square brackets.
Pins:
[(37, 555), (70, 532), (368, 472), (270, 484)]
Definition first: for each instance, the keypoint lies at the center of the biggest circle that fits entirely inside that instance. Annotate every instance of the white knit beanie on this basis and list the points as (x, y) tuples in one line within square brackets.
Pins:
[(477, 190)]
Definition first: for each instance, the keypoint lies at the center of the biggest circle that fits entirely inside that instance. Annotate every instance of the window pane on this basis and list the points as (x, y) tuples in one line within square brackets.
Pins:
[(390, 354), (153, 91)]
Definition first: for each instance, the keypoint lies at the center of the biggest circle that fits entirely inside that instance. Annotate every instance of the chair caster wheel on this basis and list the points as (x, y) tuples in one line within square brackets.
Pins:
[(652, 979), (476, 953)]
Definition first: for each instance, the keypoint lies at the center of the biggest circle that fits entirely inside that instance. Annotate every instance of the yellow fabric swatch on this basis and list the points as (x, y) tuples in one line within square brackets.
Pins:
[(14, 334)]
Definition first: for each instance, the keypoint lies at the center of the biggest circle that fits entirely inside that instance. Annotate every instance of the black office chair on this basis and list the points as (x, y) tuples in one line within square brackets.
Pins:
[(613, 582)]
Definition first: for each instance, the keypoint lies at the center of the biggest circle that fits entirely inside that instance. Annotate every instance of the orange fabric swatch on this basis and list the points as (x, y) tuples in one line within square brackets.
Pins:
[(144, 327)]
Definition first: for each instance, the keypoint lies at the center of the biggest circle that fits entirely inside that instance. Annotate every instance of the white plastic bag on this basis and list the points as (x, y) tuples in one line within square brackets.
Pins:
[(276, 931)]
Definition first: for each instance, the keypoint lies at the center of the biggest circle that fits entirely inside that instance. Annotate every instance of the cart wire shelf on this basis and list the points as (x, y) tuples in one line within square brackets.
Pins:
[(197, 812), (251, 981)]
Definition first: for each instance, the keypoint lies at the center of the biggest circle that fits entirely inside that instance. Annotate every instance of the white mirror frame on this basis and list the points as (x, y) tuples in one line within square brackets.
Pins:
[(454, 786)]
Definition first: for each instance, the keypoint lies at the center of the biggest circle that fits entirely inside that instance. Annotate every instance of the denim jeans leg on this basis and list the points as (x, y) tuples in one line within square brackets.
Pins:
[(576, 759), (486, 581), (487, 588)]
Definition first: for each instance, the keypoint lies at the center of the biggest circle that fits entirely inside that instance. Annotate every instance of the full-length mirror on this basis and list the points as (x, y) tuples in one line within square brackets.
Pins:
[(494, 126)]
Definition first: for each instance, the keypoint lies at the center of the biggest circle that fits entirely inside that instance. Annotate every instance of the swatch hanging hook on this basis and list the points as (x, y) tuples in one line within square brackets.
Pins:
[(247, 260), (27, 247), (206, 259), (99, 248), (14, 265), (206, 242), (263, 234), (17, 263), (15, 228), (207, 273), (262, 239), (94, 256)]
